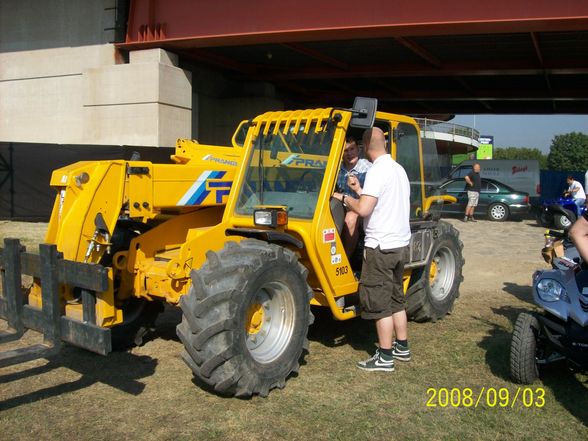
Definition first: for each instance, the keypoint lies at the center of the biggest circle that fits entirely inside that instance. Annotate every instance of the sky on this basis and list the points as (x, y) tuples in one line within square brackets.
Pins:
[(534, 131)]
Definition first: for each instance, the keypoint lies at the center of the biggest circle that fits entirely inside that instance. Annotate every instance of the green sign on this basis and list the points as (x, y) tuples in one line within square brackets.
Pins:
[(486, 147), (484, 151)]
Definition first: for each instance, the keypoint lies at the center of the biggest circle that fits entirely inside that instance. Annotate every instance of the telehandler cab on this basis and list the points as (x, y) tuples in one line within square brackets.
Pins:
[(244, 239)]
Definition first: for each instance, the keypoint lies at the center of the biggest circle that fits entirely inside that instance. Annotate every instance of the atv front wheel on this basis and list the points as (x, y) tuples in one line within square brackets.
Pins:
[(435, 287), (246, 318), (523, 349), (564, 221)]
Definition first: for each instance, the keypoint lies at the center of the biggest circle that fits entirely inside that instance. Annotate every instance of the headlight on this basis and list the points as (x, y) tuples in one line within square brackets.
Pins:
[(271, 217), (550, 290)]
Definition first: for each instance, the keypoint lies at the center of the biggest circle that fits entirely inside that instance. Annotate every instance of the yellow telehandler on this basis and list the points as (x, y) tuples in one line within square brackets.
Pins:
[(245, 239)]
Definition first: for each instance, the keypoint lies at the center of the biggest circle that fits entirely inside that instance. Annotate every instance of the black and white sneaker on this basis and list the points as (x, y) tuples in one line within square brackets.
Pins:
[(399, 352), (377, 362)]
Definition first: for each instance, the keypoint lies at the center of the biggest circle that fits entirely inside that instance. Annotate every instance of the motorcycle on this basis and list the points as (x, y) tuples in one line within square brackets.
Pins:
[(560, 213), (560, 332)]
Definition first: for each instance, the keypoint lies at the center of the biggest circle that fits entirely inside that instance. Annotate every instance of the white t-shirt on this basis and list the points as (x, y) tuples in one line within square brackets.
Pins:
[(580, 194), (389, 224)]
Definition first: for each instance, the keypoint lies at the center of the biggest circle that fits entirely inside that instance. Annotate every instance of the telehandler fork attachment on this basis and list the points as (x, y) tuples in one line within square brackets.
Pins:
[(53, 271)]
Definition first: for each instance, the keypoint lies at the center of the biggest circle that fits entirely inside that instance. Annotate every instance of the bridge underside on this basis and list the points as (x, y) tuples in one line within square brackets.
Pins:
[(418, 58)]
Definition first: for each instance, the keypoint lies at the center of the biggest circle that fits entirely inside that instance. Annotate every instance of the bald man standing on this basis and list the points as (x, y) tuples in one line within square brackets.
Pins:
[(384, 203)]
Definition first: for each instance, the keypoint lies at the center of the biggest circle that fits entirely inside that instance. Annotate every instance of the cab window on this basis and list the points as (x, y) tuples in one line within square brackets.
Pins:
[(408, 155)]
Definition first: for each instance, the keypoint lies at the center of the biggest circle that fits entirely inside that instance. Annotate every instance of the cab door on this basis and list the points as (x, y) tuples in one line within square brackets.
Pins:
[(407, 152)]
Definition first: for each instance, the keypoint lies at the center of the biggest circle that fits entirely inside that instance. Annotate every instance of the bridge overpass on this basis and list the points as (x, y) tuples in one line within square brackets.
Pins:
[(426, 57)]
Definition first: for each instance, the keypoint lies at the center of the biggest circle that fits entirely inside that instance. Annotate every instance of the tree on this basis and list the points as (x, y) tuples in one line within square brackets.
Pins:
[(521, 153), (569, 152)]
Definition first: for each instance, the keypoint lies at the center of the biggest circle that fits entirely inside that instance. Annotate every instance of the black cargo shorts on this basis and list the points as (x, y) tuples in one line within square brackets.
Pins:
[(380, 290)]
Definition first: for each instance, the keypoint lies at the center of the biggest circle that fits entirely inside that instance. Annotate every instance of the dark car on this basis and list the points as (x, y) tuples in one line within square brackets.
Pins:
[(497, 200)]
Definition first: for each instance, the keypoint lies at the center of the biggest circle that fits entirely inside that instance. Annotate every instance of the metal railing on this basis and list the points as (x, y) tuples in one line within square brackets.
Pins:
[(435, 126)]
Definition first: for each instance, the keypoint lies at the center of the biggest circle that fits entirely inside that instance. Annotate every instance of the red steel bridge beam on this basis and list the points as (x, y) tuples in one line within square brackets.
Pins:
[(190, 24)]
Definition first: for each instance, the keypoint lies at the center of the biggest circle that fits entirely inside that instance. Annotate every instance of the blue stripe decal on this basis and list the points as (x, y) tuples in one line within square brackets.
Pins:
[(194, 188), (200, 192), (222, 184)]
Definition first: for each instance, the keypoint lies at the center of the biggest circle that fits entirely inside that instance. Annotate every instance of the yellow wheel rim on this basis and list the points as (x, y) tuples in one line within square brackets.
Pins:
[(254, 318), (432, 272)]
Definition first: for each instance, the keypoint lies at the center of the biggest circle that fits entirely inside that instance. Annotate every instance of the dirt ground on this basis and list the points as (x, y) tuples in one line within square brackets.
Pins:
[(148, 393)]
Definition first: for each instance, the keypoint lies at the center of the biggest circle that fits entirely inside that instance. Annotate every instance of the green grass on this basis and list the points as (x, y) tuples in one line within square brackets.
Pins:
[(148, 393), (30, 234)]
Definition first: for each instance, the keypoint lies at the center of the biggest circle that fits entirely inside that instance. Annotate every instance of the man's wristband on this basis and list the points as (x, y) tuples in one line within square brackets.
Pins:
[(343, 200)]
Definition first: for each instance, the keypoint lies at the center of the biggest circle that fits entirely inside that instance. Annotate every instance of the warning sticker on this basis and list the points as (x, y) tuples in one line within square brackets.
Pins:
[(335, 259), (328, 235)]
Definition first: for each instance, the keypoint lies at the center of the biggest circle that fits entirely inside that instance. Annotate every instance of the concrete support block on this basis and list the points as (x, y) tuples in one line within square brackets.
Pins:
[(174, 123), (153, 56), (80, 96), (147, 124), (138, 83), (146, 103), (44, 110), (54, 62)]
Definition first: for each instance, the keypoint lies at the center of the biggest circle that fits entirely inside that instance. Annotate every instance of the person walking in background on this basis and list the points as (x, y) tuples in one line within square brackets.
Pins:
[(576, 192), (384, 205), (474, 185)]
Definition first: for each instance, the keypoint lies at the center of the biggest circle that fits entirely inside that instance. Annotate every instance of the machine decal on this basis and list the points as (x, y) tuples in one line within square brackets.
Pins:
[(335, 259), (333, 248), (312, 163), (328, 235), (203, 186), (290, 158), (209, 157)]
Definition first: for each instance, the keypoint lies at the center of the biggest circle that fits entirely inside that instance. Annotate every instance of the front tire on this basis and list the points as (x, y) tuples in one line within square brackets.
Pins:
[(523, 349), (498, 212), (564, 221), (435, 287), (246, 318)]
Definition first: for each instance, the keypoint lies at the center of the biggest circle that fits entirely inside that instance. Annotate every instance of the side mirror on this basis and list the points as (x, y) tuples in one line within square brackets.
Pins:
[(364, 112)]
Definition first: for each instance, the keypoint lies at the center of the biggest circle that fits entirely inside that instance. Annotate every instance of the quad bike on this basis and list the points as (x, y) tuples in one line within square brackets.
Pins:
[(561, 331), (560, 213)]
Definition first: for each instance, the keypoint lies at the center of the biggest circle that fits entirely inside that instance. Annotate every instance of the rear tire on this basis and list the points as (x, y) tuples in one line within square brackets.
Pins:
[(523, 349), (435, 287), (246, 318)]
